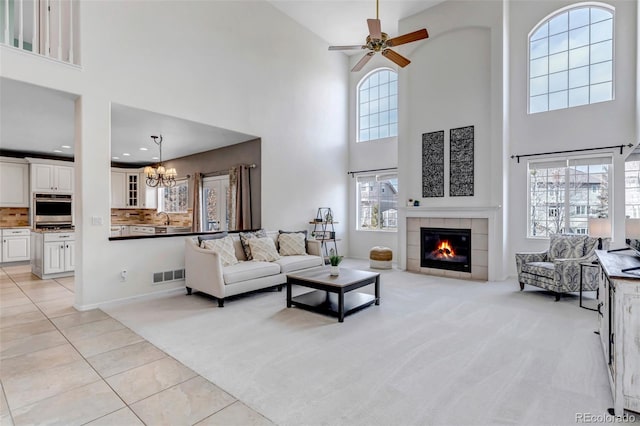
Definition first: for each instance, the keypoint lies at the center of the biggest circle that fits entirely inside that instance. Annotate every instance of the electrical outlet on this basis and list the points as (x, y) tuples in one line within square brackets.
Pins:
[(123, 275)]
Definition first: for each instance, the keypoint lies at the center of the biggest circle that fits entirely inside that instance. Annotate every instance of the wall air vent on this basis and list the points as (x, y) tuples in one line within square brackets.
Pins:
[(168, 276)]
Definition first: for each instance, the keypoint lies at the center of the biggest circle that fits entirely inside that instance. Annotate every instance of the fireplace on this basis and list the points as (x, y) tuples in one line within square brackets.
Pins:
[(445, 248)]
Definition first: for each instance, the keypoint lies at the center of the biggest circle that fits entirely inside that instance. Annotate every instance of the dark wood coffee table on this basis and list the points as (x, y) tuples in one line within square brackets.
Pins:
[(333, 295)]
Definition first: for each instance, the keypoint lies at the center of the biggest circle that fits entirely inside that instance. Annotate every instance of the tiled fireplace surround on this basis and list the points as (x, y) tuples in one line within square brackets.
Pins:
[(480, 226)]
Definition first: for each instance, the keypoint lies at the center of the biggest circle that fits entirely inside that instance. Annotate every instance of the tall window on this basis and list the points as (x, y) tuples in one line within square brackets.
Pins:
[(632, 187), (175, 199), (378, 105), (377, 202), (571, 59), (564, 194)]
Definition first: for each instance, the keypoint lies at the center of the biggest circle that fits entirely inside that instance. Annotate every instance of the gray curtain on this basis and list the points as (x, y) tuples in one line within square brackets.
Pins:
[(197, 203), (239, 203)]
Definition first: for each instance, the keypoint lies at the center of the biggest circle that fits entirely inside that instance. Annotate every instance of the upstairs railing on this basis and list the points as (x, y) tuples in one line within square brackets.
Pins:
[(43, 27)]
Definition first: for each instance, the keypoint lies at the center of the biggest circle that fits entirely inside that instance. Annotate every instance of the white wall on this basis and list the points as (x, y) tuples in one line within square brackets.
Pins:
[(588, 126), (455, 80), (378, 154), (244, 66)]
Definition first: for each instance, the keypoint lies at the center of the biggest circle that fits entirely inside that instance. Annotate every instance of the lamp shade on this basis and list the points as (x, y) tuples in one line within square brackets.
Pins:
[(599, 227), (632, 228)]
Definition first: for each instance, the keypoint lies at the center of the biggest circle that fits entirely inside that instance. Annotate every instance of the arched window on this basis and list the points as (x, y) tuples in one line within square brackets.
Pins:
[(378, 105), (571, 58)]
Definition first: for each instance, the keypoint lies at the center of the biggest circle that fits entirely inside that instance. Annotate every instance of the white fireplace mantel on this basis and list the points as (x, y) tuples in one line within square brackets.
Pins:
[(491, 213)]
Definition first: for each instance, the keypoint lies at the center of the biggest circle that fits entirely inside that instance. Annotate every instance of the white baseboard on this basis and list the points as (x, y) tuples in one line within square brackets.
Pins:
[(146, 296)]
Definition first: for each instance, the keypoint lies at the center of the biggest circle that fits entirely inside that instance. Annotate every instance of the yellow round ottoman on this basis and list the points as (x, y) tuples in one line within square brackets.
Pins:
[(380, 257)]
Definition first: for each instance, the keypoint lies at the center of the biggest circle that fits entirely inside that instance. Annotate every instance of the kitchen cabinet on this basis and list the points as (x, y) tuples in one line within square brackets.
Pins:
[(14, 184), (15, 245), (119, 231), (619, 327), (53, 254), (51, 178), (143, 230), (128, 190)]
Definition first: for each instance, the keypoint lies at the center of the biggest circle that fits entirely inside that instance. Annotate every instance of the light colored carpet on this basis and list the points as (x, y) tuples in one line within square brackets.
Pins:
[(436, 351)]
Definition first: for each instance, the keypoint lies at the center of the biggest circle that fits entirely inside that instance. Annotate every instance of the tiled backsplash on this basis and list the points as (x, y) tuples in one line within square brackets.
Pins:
[(14, 216), (149, 217)]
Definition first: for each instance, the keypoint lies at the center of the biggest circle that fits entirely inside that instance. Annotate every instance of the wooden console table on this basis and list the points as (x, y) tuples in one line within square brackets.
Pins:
[(619, 319)]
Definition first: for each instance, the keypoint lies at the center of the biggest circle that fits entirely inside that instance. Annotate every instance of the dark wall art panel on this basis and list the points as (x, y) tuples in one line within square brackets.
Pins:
[(433, 164), (461, 162)]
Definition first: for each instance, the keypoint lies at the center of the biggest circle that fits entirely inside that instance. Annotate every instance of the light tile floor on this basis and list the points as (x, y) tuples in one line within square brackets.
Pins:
[(62, 366)]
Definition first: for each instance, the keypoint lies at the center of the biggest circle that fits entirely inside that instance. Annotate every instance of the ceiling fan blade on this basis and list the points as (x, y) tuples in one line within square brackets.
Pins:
[(374, 29), (361, 63), (408, 38), (354, 47), (396, 57)]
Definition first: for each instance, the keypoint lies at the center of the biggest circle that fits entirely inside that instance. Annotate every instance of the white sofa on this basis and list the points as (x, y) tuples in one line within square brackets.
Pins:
[(204, 271)]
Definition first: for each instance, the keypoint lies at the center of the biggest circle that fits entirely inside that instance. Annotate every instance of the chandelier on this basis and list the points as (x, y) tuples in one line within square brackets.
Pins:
[(160, 176)]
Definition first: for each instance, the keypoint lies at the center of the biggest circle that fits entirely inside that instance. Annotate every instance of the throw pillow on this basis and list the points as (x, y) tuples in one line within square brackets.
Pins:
[(263, 249), (246, 236), (224, 248), (564, 246), (291, 244), (215, 236)]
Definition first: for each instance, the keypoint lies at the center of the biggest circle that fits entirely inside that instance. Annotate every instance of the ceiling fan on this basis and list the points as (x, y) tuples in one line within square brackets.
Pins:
[(377, 41)]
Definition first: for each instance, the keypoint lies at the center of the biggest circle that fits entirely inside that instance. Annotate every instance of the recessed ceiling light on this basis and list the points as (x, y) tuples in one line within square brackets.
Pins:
[(144, 149), (125, 154), (115, 158), (56, 150), (154, 158), (66, 147)]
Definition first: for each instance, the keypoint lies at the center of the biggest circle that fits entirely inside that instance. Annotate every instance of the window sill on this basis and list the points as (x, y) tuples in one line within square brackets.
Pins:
[(385, 231)]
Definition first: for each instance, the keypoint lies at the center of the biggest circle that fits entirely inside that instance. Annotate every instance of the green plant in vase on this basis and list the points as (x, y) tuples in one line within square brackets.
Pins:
[(334, 261)]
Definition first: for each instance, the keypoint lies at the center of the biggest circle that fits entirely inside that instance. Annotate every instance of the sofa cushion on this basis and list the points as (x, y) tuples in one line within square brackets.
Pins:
[(292, 244), (224, 248), (246, 236), (263, 249), (543, 269), (296, 263), (214, 236), (244, 271), (566, 246)]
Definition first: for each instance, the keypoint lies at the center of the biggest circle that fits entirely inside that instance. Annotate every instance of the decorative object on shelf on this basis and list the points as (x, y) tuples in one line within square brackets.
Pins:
[(433, 164), (377, 41), (410, 202), (323, 231), (416, 203), (334, 261), (159, 176), (461, 162)]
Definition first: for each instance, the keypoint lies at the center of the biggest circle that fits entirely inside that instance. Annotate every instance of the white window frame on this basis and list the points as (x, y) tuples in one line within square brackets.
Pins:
[(631, 207), (162, 207), (357, 202), (362, 80), (566, 198), (549, 17)]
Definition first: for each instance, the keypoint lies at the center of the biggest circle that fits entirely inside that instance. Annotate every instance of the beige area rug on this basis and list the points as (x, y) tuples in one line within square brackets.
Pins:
[(436, 351)]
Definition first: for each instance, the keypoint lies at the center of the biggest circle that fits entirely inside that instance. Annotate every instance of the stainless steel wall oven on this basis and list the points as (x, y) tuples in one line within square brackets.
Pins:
[(53, 211)]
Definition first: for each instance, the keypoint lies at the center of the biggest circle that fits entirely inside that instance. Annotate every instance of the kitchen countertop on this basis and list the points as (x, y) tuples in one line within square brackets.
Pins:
[(50, 231)]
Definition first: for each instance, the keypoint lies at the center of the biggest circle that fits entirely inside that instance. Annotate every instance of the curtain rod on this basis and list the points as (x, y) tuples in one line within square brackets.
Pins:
[(226, 172), (372, 170), (621, 147)]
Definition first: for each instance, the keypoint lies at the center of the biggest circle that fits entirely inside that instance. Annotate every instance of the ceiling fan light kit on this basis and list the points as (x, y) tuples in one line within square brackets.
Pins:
[(377, 41)]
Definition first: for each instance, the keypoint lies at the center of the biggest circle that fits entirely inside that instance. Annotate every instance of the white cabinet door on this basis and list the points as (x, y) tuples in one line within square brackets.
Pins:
[(42, 178), (51, 178), (14, 185), (117, 190), (63, 178), (54, 257), (69, 255), (132, 189), (15, 249), (150, 194)]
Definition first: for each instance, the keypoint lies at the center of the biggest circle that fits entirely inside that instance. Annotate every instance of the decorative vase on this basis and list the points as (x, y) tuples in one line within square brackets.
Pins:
[(334, 271)]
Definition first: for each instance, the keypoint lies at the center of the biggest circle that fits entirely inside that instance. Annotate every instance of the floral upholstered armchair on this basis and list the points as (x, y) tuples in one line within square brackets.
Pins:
[(558, 269)]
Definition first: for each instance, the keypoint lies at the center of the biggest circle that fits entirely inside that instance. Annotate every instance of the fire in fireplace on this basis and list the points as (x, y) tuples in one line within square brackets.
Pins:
[(445, 248)]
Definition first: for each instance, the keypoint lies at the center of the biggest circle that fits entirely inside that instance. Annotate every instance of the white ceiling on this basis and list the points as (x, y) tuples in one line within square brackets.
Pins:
[(341, 22), (40, 120)]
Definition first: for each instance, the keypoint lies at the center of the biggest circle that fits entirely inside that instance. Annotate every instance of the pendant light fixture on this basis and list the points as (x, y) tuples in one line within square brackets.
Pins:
[(159, 176)]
